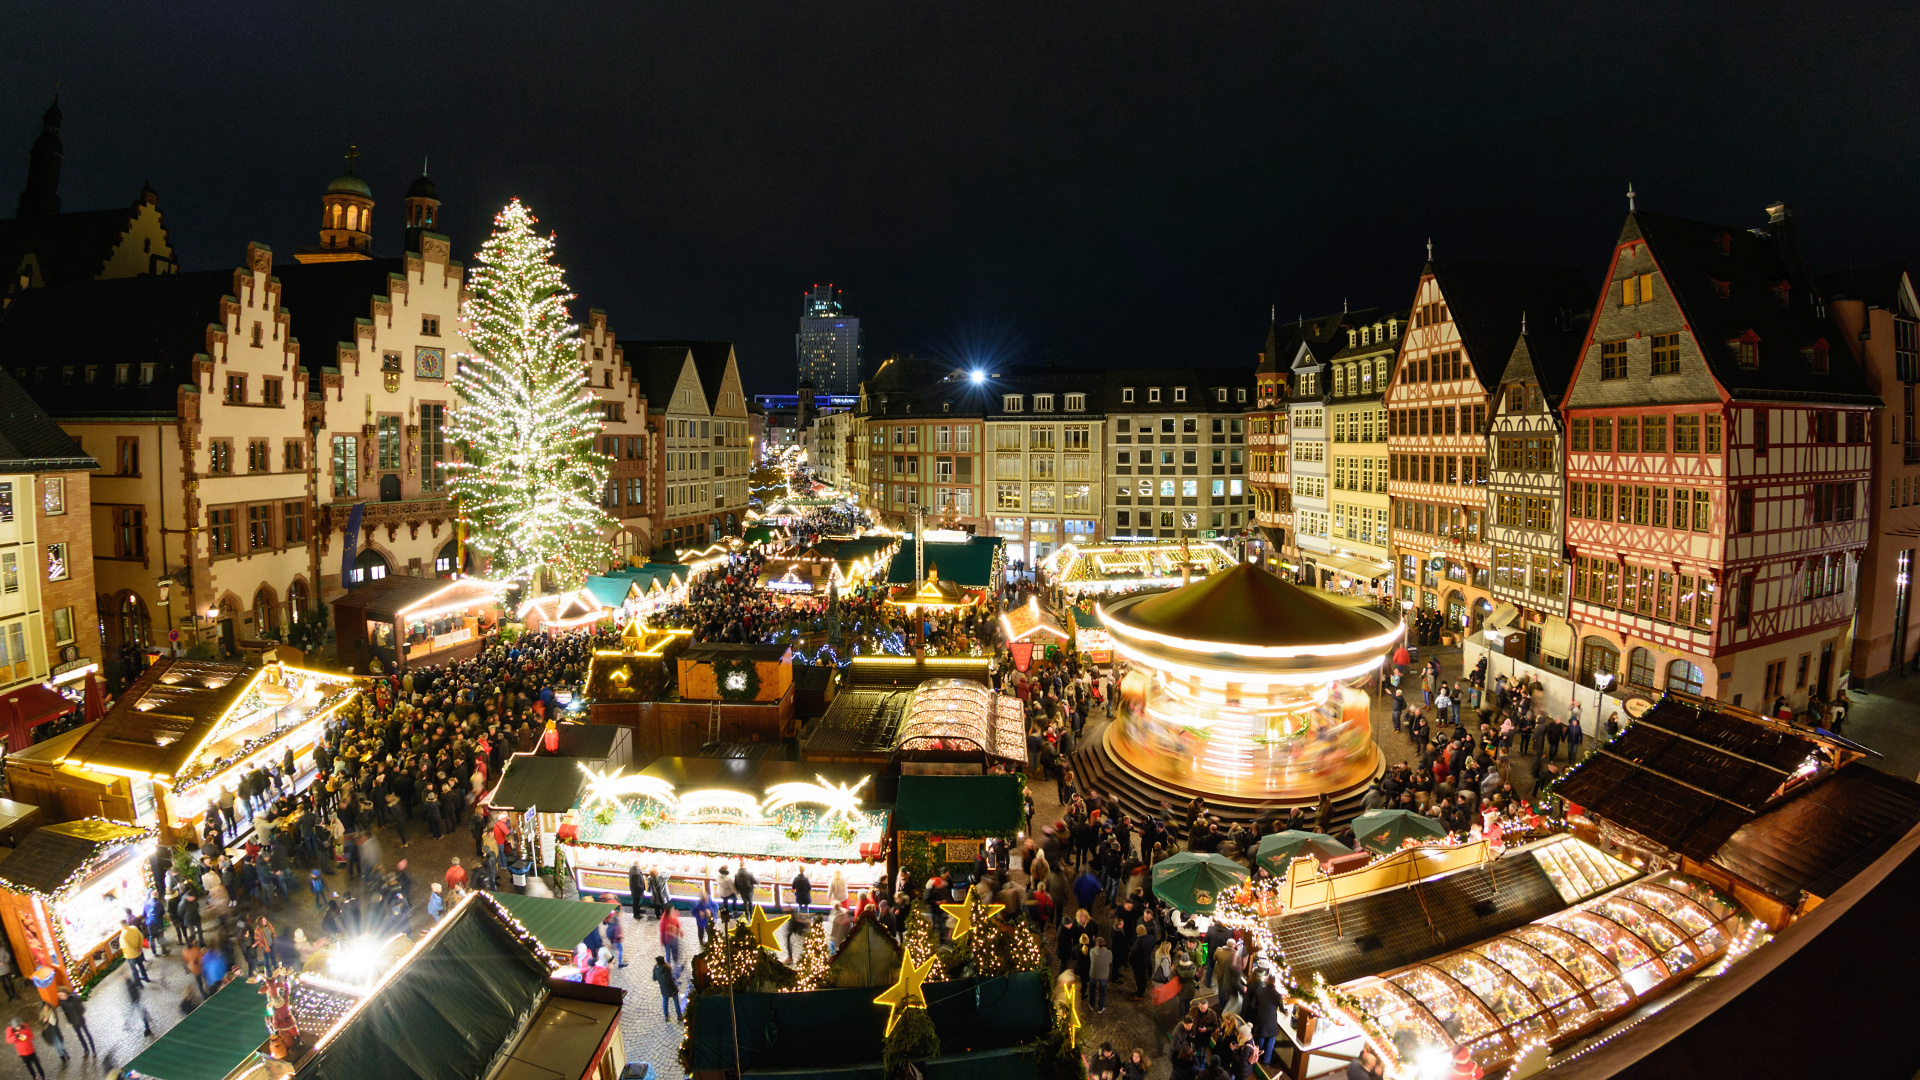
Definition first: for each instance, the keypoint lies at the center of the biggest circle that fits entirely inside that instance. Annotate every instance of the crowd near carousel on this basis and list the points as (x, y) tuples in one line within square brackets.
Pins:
[(1147, 812)]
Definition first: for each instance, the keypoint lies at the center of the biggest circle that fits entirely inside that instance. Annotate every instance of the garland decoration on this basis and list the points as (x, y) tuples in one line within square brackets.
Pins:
[(737, 679)]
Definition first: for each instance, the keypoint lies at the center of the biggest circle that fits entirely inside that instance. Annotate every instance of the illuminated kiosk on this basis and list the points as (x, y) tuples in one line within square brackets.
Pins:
[(1237, 693)]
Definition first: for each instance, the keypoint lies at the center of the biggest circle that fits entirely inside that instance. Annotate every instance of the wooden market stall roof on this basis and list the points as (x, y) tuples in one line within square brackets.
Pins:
[(974, 563), (1690, 772), (548, 784), (383, 599), (560, 925), (49, 856), (158, 723), (960, 805), (212, 1040), (1820, 838)]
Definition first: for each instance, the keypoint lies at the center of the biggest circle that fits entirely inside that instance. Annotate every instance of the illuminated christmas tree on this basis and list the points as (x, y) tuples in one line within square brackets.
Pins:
[(531, 480)]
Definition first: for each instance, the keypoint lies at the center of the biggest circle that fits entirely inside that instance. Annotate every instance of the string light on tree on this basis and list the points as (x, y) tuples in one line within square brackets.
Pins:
[(531, 480)]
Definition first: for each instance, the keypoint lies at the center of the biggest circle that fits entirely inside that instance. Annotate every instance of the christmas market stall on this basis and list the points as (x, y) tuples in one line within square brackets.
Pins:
[(976, 562), (1090, 637), (220, 1037), (403, 621), (477, 996), (1031, 630), (940, 822), (1092, 569), (186, 729), (959, 727), (689, 817), (64, 892), (559, 925)]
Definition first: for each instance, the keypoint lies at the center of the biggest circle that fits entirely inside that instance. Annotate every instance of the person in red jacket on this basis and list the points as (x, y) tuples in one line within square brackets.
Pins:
[(21, 1037), (456, 875)]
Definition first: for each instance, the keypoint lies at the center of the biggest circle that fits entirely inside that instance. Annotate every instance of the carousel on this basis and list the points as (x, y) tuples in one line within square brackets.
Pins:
[(1239, 690)]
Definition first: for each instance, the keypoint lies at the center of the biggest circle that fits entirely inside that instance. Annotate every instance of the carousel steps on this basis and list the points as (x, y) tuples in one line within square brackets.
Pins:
[(1097, 770)]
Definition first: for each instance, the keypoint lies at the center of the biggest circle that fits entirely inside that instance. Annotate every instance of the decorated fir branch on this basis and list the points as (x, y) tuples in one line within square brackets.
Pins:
[(530, 480), (816, 960)]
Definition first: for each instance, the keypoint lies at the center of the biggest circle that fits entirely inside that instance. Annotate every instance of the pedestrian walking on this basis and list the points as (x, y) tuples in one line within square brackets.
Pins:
[(132, 942), (22, 1040), (135, 999), (75, 1011), (662, 974), (50, 1030)]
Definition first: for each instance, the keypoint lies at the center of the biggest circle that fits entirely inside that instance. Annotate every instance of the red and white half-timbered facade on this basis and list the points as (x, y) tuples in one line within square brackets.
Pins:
[(1717, 461)]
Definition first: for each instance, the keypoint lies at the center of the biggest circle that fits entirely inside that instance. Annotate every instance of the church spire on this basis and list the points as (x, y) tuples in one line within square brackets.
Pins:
[(42, 193)]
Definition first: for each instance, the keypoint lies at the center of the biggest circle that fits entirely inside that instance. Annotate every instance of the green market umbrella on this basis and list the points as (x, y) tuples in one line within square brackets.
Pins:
[(1383, 831), (1193, 882), (1276, 851)]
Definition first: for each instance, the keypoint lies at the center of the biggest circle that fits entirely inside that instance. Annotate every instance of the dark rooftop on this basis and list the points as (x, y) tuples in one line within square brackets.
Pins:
[(1820, 838), (50, 855), (1688, 773)]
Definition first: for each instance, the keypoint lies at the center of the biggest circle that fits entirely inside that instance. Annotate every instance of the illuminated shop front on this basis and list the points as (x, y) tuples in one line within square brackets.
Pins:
[(186, 729), (64, 891), (691, 816), (404, 622), (1094, 569), (1238, 687)]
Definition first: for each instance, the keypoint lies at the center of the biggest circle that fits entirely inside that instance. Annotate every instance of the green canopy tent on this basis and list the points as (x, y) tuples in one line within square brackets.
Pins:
[(1276, 851), (1193, 882), (558, 925), (1383, 831), (211, 1041)]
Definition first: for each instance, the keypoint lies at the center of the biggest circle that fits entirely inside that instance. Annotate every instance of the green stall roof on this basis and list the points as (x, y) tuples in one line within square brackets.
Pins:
[(212, 1040), (960, 805), (558, 924), (970, 563)]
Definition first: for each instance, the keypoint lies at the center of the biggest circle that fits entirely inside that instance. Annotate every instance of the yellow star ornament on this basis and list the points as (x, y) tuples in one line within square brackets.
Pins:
[(1071, 1000), (763, 928), (963, 916), (905, 993)]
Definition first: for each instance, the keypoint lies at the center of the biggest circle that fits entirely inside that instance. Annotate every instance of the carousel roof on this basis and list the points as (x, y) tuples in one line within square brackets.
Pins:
[(1247, 606)]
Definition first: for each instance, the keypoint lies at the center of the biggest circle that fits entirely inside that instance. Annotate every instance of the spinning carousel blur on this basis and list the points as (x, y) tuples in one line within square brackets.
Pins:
[(1240, 691)]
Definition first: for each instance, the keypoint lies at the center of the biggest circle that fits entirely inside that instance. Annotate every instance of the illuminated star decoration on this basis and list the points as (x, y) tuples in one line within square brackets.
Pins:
[(905, 993), (838, 800), (763, 928), (1071, 1001), (963, 916)]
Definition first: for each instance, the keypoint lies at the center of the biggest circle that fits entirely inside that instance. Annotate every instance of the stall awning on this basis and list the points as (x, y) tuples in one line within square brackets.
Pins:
[(212, 1040), (1502, 617), (1359, 569), (26, 708), (1556, 638), (557, 924)]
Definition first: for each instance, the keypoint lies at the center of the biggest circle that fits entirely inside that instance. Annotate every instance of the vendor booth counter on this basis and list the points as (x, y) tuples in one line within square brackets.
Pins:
[(64, 891), (411, 622), (689, 817)]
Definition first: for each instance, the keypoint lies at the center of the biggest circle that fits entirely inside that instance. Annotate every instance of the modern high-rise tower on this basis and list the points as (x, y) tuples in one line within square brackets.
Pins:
[(827, 348)]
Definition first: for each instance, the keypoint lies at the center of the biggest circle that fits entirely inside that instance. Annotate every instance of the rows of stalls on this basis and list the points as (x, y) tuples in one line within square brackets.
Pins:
[(691, 817), (1098, 569)]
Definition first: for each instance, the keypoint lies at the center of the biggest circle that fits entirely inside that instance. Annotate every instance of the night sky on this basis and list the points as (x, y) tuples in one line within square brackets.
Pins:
[(1091, 184)]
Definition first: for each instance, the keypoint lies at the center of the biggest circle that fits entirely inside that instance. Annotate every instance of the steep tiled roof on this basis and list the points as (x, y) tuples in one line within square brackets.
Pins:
[(1486, 299), (68, 248), (1547, 354), (1750, 271), (29, 439), (657, 365), (1878, 285), (157, 319), (709, 362), (324, 301)]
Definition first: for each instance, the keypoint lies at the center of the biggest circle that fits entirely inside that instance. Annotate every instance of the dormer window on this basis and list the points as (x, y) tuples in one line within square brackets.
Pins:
[(1153, 393), (1179, 393), (1746, 350), (1393, 328), (1782, 293), (1353, 338), (1043, 403), (1126, 395), (1240, 394), (1816, 356), (1723, 243), (1721, 289), (1011, 403), (121, 372), (1220, 394), (146, 374), (1076, 403)]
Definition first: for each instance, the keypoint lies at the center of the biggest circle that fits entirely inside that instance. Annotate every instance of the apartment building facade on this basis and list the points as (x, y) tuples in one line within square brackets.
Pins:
[(916, 441), (48, 614), (1358, 557), (1176, 452), (699, 421), (1877, 316)]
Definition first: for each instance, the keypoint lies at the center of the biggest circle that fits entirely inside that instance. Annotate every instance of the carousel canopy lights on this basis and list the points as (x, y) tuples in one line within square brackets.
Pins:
[(835, 800)]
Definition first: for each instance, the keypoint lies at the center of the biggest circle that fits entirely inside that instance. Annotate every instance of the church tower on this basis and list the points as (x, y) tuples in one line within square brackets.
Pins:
[(346, 219), (423, 210), (42, 193)]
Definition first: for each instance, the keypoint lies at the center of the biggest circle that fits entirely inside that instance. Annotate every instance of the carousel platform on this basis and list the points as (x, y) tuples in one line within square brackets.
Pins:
[(1099, 769)]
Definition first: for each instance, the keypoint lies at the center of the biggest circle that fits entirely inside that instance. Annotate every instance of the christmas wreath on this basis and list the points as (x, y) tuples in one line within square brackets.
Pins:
[(738, 680)]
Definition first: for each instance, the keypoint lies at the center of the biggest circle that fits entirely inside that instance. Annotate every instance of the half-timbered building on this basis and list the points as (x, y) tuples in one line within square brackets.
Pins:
[(1465, 320), (1717, 468), (1267, 451), (1526, 529)]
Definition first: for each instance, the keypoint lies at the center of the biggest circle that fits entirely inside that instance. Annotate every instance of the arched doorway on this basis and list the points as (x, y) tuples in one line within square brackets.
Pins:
[(296, 602), (135, 629), (1597, 655), (625, 544), (266, 616), (1456, 609), (227, 614), (447, 560), (1482, 608), (369, 565)]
